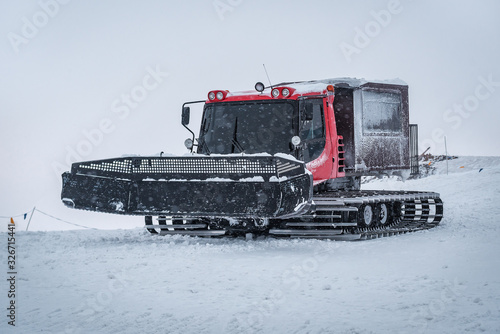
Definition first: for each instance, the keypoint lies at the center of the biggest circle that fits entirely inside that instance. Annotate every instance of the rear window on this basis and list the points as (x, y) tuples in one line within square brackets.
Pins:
[(381, 112)]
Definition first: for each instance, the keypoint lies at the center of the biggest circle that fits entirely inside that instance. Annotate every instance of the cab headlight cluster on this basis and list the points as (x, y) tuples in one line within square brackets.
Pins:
[(281, 92), (217, 95)]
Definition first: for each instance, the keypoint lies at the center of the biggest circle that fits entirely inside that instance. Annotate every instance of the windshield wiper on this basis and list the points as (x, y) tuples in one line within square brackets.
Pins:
[(204, 146), (234, 141), (237, 145)]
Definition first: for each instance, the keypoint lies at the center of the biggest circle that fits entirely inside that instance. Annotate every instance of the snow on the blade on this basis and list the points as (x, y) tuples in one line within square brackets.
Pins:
[(286, 156), (276, 179), (252, 179)]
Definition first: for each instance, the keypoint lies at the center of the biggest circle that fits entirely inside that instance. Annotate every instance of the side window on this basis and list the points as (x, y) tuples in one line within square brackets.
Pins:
[(207, 119), (312, 132), (205, 134), (382, 113)]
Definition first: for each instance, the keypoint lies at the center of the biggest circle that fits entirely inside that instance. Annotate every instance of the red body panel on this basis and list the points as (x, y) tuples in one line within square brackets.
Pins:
[(327, 165)]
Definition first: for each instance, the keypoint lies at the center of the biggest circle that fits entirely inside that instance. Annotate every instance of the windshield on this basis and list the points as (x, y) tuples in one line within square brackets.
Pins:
[(247, 127)]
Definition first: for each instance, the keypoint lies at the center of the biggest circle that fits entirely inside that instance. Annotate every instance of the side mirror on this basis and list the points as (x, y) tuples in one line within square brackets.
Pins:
[(185, 115)]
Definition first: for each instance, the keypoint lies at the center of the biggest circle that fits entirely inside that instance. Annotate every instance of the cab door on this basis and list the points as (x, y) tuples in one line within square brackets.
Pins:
[(314, 134)]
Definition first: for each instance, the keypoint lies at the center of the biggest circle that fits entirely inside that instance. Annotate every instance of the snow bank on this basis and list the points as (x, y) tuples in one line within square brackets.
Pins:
[(445, 280)]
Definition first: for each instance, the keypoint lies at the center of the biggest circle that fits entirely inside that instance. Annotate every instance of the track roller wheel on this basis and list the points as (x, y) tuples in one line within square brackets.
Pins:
[(382, 214), (396, 212), (366, 217)]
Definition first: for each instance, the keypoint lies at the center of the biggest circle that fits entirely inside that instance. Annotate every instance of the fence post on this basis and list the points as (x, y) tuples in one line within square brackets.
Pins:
[(31, 216), (446, 152)]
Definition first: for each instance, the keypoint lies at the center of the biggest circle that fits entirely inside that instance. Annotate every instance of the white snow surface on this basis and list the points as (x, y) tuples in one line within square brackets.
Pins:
[(444, 280)]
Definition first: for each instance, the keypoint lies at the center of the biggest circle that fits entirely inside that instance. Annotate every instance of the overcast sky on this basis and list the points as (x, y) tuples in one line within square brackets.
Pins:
[(99, 79)]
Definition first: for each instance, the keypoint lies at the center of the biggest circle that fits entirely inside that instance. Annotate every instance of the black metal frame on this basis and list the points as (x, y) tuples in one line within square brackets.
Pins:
[(414, 168), (198, 186), (184, 125)]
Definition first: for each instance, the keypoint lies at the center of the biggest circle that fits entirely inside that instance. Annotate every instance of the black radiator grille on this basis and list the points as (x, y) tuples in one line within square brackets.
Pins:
[(169, 168), (186, 165)]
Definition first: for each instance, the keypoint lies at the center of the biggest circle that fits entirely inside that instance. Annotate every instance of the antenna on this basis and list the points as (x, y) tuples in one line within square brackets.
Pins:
[(267, 76)]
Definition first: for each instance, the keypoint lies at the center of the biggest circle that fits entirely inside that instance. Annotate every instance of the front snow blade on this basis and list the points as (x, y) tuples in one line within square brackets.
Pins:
[(194, 186)]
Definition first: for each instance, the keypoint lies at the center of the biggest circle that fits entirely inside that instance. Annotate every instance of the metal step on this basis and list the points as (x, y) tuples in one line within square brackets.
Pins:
[(341, 208), (162, 219), (339, 202), (307, 224), (320, 216), (328, 201)]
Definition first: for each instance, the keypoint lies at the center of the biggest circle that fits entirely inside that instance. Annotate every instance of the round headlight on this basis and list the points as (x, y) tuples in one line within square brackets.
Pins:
[(275, 92), (285, 92), (188, 143), (259, 86), (211, 96), (296, 141), (220, 96)]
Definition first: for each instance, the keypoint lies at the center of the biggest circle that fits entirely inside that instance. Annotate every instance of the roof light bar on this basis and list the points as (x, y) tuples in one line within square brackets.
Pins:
[(282, 92), (217, 95)]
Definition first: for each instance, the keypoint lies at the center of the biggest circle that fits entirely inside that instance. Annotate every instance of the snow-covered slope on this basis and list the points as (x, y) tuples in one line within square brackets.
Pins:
[(445, 280)]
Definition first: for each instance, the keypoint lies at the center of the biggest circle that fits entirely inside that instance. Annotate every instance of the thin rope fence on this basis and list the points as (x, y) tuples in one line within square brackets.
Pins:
[(64, 221), (22, 214), (48, 215)]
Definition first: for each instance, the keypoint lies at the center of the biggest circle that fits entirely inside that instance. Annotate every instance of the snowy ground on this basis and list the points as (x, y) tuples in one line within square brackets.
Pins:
[(445, 280)]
